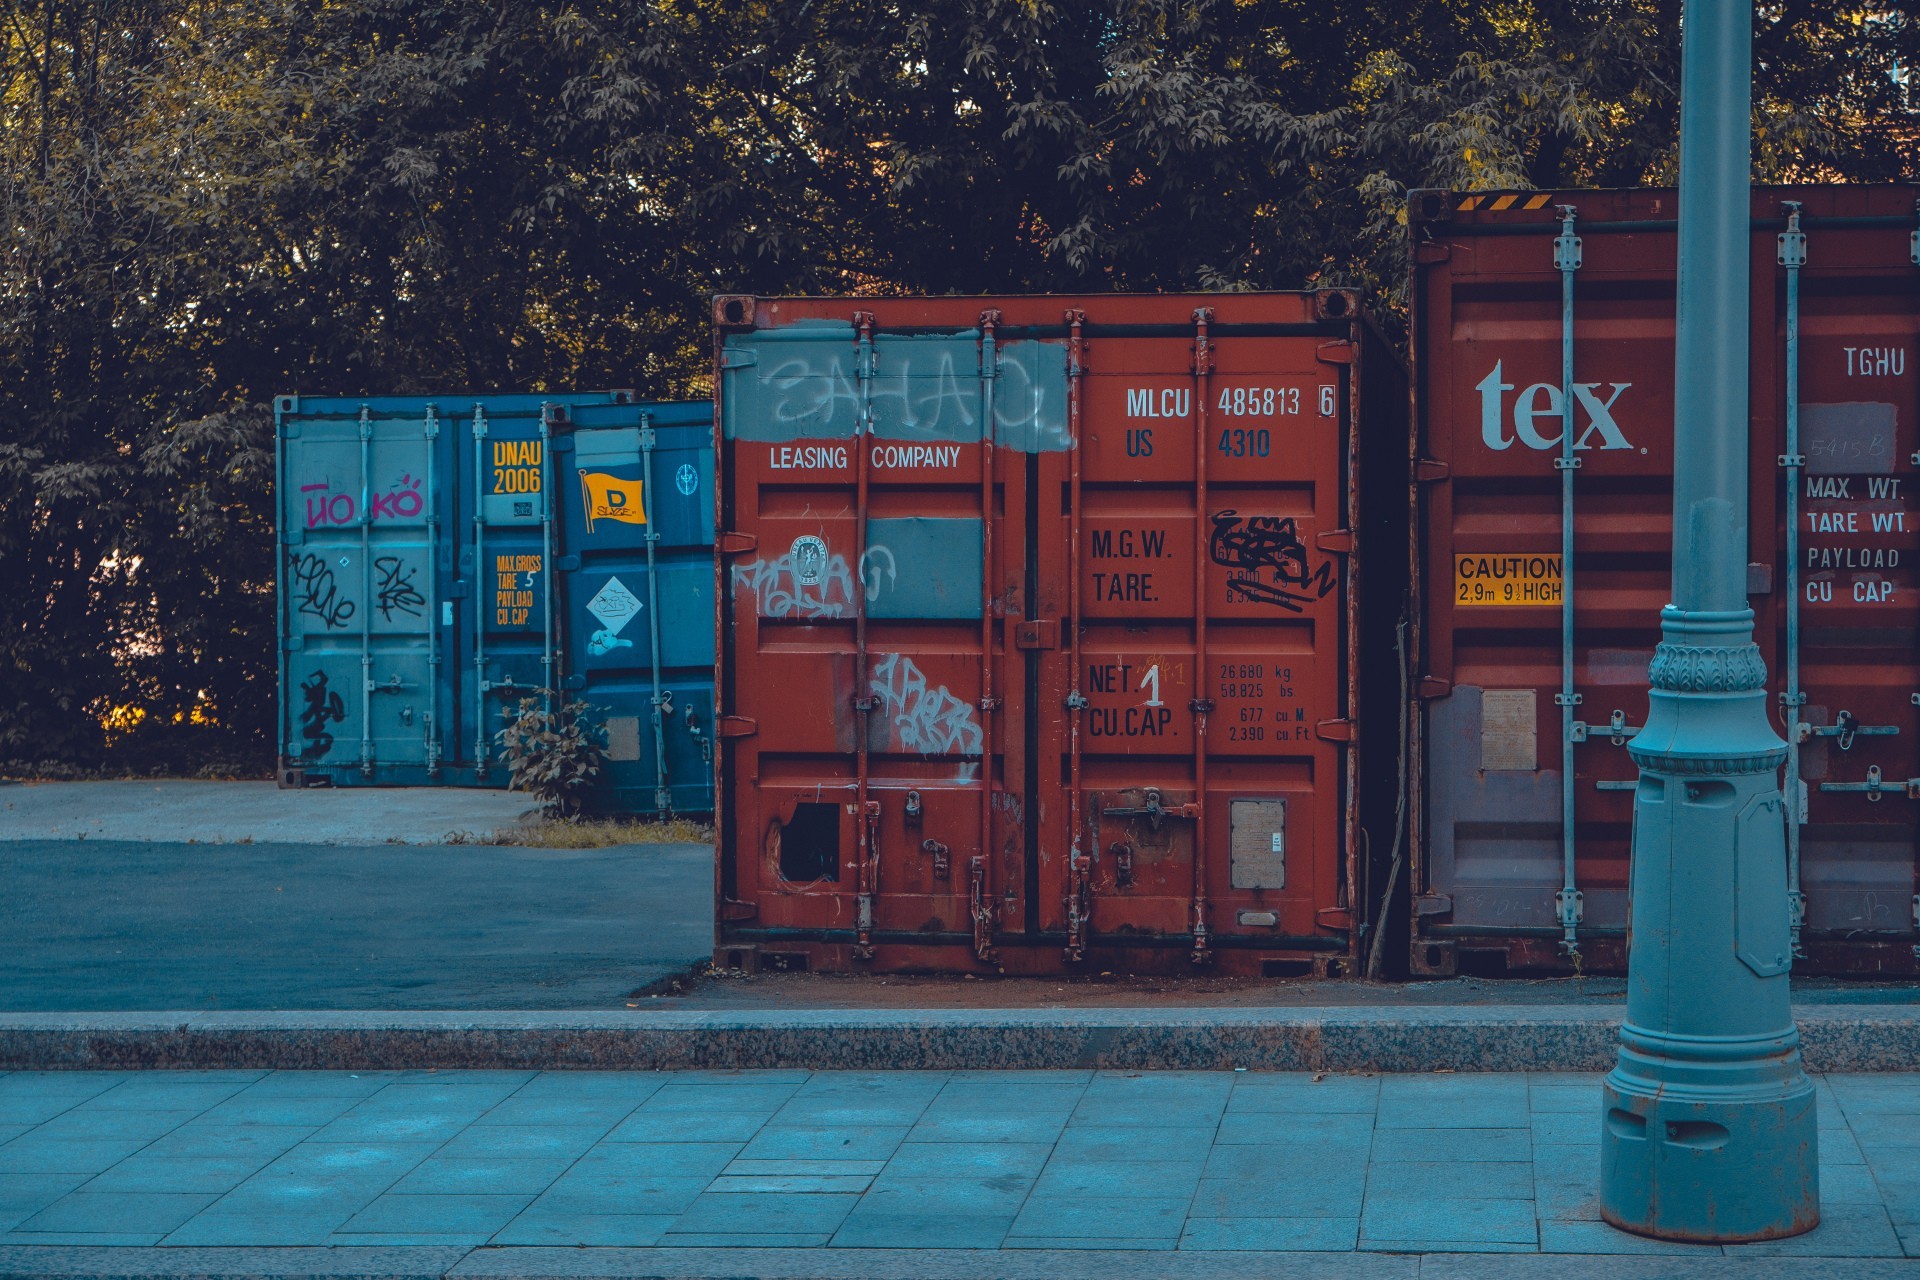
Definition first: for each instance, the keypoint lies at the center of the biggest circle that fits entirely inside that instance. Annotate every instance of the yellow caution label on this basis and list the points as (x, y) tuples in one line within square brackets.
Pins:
[(1504, 578)]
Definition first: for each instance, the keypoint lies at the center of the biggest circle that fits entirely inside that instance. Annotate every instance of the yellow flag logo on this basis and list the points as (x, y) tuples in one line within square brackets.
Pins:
[(611, 498)]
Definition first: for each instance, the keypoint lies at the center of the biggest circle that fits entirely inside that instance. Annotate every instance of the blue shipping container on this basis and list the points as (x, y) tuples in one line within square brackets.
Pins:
[(445, 557)]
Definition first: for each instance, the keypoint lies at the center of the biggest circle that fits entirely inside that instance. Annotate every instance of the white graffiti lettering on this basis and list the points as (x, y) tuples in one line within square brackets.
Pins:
[(925, 718), (783, 592)]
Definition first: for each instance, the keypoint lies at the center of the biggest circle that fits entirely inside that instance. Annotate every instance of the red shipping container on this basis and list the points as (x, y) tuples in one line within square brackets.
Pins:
[(1023, 601), (1509, 862)]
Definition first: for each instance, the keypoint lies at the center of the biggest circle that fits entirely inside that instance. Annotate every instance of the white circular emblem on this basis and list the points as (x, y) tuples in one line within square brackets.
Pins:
[(686, 479), (809, 556)]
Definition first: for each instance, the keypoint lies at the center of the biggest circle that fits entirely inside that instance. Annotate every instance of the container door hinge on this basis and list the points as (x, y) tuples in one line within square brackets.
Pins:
[(1334, 730), (731, 910), (738, 357), (1340, 918), (737, 727), (1435, 687), (1430, 470), (1041, 633), (1338, 541), (1430, 253), (567, 564), (735, 544), (1338, 352), (1433, 904)]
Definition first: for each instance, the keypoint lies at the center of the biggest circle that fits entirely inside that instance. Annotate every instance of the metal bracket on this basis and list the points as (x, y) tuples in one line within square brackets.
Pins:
[(1570, 906), (911, 815), (942, 864), (1566, 464), (1566, 246), (1792, 242), (1566, 699), (1122, 864), (1792, 460), (1077, 701)]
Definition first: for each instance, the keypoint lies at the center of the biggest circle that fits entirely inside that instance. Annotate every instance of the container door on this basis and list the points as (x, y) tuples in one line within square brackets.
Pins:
[(868, 618), (1500, 831), (359, 579), (505, 543), (638, 604), (1205, 789), (1856, 545)]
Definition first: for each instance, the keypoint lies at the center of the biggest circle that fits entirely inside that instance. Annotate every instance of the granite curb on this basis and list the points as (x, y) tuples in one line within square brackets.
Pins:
[(1386, 1039), (48, 1262)]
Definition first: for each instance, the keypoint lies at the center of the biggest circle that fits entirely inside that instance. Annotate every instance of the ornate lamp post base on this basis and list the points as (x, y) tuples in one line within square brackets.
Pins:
[(1708, 1131)]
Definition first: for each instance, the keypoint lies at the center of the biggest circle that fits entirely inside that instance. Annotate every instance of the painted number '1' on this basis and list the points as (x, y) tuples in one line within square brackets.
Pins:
[(1151, 681)]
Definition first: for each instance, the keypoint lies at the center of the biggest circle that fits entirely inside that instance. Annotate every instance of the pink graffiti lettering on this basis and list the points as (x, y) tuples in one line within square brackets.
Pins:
[(402, 502), (338, 509)]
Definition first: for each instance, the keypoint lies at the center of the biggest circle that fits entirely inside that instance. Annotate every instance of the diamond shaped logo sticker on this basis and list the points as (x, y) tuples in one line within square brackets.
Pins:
[(614, 605)]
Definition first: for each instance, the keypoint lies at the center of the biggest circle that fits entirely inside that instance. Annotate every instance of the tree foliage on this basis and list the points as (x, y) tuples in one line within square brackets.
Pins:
[(207, 204)]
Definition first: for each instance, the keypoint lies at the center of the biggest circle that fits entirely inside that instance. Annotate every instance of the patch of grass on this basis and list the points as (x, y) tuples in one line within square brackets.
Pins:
[(601, 833)]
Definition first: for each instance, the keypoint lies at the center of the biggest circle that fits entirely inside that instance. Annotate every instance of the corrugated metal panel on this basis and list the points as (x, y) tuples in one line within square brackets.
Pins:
[(1026, 598), (1488, 345), (445, 557)]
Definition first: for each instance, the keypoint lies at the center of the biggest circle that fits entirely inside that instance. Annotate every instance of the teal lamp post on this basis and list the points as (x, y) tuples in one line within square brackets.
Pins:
[(1708, 1125)]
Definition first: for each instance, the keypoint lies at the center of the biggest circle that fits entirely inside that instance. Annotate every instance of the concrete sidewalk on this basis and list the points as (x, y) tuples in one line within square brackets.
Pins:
[(794, 1173), (254, 812)]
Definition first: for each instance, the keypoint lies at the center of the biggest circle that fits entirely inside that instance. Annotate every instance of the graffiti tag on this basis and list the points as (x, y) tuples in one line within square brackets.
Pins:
[(401, 501), (913, 394), (394, 589), (806, 583), (925, 718), (316, 593), (323, 707), (1269, 561)]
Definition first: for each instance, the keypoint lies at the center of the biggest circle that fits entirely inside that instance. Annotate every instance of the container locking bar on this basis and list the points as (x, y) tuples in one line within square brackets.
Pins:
[(1845, 727), (1568, 906), (1792, 255), (480, 684), (434, 623), (366, 592), (662, 700), (1153, 810), (1616, 730), (1876, 786)]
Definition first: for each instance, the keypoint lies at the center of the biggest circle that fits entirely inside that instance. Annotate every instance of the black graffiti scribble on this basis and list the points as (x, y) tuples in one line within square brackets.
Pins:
[(395, 589), (323, 707), (1270, 560), (317, 593)]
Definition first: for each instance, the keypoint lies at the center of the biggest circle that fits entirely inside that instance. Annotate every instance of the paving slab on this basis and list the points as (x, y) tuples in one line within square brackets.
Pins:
[(1331, 1190)]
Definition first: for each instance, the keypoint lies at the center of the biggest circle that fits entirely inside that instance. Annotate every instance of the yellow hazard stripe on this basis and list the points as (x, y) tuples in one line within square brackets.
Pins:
[(1500, 203)]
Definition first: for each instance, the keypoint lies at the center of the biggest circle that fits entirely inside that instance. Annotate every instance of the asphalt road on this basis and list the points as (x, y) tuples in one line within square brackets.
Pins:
[(122, 925)]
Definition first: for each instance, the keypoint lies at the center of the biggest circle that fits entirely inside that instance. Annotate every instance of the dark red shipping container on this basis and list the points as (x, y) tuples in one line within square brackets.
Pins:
[(1043, 625), (1512, 864)]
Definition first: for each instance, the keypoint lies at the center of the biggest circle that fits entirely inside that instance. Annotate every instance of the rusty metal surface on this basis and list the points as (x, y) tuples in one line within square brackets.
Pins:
[(1487, 330), (986, 691)]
